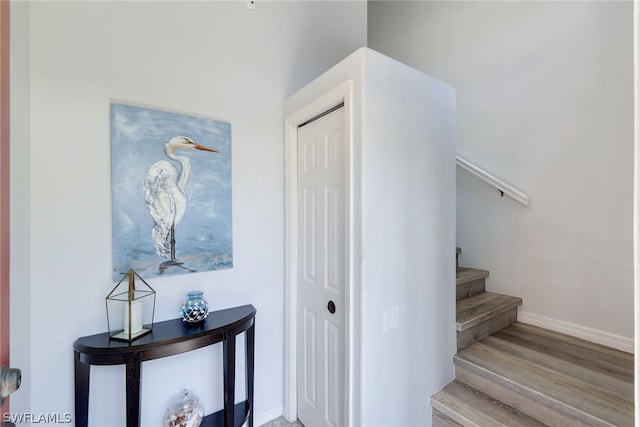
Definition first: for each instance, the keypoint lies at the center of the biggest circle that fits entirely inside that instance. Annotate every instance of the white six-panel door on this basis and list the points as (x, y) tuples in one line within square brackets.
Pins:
[(321, 271)]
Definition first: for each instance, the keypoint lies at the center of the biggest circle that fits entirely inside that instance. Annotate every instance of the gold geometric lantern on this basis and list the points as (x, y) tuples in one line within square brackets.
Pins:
[(130, 308)]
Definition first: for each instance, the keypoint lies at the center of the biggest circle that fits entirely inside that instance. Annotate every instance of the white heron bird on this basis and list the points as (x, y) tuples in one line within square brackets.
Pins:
[(164, 193)]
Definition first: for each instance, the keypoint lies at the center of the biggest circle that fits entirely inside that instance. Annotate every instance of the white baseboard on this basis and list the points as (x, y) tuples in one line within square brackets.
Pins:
[(610, 340), (265, 417)]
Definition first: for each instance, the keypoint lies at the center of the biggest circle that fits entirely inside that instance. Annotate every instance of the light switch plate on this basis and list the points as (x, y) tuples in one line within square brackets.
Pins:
[(390, 318)]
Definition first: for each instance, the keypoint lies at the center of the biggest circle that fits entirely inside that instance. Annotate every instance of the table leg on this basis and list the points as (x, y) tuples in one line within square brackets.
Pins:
[(133, 389), (229, 374), (250, 345), (81, 372)]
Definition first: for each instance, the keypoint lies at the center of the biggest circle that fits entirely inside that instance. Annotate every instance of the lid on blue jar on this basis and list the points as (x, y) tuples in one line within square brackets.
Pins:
[(195, 293)]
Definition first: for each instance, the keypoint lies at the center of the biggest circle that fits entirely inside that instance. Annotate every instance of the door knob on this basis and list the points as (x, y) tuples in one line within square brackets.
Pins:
[(331, 307), (9, 382)]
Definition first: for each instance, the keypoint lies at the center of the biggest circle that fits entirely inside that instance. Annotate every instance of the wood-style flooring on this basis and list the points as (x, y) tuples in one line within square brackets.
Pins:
[(545, 377)]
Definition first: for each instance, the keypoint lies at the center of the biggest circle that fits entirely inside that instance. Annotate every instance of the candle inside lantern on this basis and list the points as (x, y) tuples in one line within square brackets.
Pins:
[(136, 318)]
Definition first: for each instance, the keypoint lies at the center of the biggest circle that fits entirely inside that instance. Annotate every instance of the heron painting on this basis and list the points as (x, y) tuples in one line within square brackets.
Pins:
[(171, 181)]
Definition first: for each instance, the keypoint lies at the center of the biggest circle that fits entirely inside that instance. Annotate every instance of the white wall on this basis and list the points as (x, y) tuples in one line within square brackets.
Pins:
[(408, 234), (402, 230), (215, 59), (20, 204), (544, 101)]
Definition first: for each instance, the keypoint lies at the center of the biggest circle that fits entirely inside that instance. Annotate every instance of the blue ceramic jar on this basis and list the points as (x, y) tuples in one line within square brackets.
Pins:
[(195, 308)]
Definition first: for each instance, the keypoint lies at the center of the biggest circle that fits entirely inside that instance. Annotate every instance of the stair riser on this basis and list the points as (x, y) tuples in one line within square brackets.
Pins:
[(438, 419), (522, 399), (481, 308), (486, 328), (470, 407), (470, 289), (526, 376)]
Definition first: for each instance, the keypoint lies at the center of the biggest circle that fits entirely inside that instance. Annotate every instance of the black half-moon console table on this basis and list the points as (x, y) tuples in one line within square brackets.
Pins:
[(169, 338)]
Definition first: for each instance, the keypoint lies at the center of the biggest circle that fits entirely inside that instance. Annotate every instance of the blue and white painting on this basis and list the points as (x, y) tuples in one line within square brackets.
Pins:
[(171, 181)]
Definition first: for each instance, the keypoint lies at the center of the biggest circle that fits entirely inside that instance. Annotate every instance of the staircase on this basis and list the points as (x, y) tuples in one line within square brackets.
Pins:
[(513, 374)]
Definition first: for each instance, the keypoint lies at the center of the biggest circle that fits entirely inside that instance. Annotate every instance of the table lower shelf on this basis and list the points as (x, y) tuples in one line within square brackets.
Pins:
[(241, 414)]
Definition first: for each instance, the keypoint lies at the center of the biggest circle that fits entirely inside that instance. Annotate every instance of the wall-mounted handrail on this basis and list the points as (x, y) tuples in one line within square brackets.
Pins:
[(500, 185)]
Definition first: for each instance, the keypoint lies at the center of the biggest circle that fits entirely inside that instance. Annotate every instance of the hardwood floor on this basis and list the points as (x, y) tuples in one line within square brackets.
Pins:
[(516, 375), (469, 282), (477, 309), (480, 313), (465, 401), (558, 379)]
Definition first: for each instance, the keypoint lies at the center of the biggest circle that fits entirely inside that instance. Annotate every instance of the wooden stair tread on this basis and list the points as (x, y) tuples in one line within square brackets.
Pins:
[(467, 274), (479, 308), (513, 374), (573, 376), (597, 357), (470, 407)]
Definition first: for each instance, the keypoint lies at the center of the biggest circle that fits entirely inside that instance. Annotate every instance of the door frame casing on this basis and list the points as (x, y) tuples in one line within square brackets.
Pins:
[(5, 240), (341, 94)]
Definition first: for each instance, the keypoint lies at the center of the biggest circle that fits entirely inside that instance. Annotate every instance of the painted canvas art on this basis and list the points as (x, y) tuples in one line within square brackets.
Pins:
[(171, 181)]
